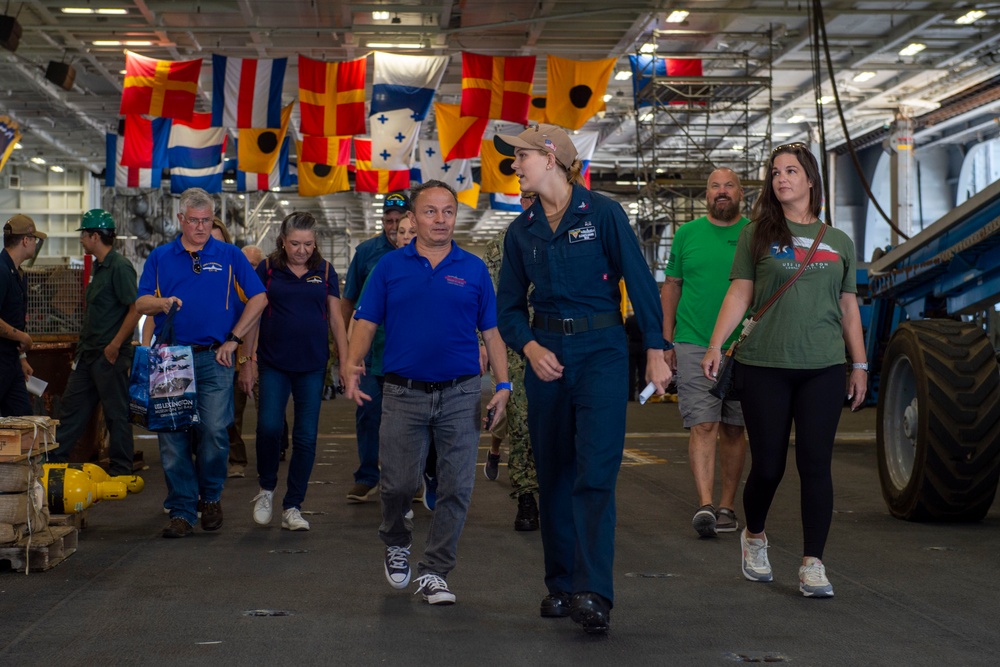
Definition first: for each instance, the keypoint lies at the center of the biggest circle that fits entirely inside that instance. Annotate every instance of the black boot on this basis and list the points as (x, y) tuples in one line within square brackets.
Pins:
[(527, 513)]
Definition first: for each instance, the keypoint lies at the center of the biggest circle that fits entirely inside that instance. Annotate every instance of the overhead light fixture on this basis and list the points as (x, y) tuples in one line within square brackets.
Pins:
[(115, 42), (738, 148), (18, 146), (111, 11), (861, 77), (38, 160), (396, 20), (380, 16), (283, 202), (797, 118), (608, 98), (623, 75), (826, 99), (677, 16), (645, 118), (648, 47), (913, 49), (970, 17), (390, 45), (57, 169)]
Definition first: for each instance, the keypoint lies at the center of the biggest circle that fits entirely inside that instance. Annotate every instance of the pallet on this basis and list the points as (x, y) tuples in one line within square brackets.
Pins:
[(77, 520), (38, 451), (44, 552)]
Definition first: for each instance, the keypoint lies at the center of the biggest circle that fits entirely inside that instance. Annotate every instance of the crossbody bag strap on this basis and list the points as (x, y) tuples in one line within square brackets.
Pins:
[(751, 322)]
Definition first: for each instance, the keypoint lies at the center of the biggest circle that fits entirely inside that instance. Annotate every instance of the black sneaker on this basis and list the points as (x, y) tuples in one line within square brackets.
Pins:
[(527, 512), (177, 528), (211, 515), (492, 467), (435, 589), (397, 566), (704, 521)]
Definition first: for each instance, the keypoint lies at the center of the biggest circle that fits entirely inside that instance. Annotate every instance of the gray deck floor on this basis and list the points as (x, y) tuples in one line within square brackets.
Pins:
[(906, 594)]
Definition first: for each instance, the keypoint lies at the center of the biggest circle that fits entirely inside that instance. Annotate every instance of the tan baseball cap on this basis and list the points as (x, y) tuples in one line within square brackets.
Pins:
[(541, 137), (22, 224)]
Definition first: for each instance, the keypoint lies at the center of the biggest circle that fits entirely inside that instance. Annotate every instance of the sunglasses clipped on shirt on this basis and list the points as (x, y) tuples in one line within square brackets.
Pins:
[(196, 262)]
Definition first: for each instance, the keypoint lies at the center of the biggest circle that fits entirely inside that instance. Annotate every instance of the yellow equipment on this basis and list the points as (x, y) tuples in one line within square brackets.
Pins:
[(133, 483), (70, 490)]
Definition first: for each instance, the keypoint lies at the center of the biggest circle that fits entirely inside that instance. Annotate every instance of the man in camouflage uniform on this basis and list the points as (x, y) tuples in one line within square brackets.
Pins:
[(521, 461)]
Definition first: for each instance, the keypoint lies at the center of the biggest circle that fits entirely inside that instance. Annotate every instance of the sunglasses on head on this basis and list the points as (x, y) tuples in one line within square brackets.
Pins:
[(795, 145), (196, 262), (394, 201)]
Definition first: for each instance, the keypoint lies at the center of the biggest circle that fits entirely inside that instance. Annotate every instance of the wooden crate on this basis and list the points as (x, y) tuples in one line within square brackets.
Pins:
[(21, 435), (43, 550), (21, 458)]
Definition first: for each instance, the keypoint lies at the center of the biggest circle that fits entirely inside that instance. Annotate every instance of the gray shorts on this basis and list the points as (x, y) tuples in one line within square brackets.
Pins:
[(696, 404)]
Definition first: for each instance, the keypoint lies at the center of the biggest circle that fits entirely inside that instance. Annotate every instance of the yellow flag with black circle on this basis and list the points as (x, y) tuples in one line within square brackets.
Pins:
[(496, 171), (576, 90), (258, 149)]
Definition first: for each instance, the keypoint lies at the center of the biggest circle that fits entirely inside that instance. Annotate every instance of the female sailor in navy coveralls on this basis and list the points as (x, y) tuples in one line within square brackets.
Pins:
[(574, 246)]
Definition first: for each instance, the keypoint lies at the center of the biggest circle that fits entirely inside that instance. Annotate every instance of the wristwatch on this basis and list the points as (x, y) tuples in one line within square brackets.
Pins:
[(231, 337), (860, 366)]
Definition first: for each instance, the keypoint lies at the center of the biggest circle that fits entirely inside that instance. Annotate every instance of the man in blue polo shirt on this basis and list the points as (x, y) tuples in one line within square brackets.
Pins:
[(368, 417), (208, 280), (432, 297)]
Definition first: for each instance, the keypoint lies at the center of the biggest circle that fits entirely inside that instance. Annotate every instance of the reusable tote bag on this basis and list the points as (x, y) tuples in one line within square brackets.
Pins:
[(162, 390)]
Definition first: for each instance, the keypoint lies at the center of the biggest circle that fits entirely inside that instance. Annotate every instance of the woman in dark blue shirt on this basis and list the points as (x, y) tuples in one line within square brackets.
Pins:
[(292, 350)]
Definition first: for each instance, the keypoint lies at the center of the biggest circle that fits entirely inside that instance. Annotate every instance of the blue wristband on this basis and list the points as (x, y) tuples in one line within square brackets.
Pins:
[(505, 385)]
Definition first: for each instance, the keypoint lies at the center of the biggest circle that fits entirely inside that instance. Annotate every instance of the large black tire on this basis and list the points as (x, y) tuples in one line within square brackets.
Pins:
[(938, 429)]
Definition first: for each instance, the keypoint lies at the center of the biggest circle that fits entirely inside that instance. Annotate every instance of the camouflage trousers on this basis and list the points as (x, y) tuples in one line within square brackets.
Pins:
[(520, 459)]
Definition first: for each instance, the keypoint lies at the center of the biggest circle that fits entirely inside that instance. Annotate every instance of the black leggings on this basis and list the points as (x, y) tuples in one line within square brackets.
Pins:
[(772, 398)]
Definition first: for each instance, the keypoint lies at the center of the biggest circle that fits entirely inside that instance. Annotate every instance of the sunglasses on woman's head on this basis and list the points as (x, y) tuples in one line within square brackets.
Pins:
[(790, 147)]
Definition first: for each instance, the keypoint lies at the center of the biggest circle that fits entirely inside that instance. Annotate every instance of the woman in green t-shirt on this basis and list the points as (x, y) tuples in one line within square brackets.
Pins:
[(796, 354)]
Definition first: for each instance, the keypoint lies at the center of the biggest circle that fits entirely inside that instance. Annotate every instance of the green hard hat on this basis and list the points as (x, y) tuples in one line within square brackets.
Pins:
[(96, 218)]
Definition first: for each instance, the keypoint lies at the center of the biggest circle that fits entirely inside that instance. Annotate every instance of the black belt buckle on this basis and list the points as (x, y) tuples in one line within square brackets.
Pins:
[(431, 387), (567, 327)]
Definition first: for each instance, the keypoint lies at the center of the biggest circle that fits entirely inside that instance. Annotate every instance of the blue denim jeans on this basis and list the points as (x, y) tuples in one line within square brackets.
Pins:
[(187, 479), (306, 390), (368, 418), (410, 418)]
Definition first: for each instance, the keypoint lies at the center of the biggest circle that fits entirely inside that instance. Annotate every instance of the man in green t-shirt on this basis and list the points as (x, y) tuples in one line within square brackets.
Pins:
[(104, 353), (697, 277)]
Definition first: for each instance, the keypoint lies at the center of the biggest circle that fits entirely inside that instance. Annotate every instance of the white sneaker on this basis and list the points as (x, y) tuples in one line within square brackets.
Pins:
[(291, 519), (756, 567), (812, 580), (262, 507)]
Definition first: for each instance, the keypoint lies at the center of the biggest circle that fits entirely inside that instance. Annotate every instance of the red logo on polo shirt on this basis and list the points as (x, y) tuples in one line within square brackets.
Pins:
[(455, 280)]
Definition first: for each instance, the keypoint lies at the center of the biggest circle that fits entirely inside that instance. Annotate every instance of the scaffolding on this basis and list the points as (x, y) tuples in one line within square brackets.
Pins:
[(688, 126)]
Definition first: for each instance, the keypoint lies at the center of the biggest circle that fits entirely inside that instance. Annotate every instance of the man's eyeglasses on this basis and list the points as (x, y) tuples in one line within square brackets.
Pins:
[(196, 262), (795, 145), (198, 222)]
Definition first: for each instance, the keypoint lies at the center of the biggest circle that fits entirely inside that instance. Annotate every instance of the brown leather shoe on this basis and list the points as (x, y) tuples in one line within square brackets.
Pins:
[(177, 528), (211, 515)]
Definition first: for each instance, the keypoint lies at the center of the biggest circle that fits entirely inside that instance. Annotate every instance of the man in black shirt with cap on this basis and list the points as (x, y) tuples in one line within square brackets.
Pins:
[(20, 241)]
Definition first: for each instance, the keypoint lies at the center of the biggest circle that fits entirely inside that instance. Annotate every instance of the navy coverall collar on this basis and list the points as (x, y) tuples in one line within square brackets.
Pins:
[(538, 225)]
